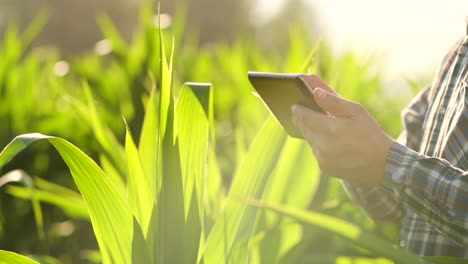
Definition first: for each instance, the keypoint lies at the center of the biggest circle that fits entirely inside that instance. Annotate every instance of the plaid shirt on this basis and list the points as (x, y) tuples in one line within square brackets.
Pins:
[(425, 187)]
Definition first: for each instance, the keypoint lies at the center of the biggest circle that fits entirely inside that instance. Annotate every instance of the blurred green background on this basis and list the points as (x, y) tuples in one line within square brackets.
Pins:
[(48, 48)]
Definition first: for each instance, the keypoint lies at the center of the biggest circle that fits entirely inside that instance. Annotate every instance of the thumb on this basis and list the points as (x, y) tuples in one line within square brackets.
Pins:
[(335, 105)]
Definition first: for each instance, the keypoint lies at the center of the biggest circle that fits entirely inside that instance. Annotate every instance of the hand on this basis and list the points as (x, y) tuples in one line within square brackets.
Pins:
[(347, 141)]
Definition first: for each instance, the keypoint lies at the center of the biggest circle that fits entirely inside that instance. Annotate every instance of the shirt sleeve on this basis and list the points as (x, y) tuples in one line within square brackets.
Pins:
[(376, 201), (377, 204), (432, 187)]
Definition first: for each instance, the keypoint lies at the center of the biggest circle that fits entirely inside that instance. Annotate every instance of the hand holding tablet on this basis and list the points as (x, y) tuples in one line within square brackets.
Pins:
[(280, 92)]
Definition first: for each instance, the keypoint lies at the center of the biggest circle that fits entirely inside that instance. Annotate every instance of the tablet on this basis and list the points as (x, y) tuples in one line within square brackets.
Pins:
[(280, 92)]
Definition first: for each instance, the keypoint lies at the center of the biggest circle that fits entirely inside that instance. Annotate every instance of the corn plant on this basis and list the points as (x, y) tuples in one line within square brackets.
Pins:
[(7, 257), (157, 174)]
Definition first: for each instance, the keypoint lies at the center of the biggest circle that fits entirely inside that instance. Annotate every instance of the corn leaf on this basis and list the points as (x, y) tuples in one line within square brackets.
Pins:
[(68, 200), (114, 175), (308, 62), (214, 192), (165, 85), (343, 229), (73, 207), (112, 147), (7, 257), (228, 240), (111, 33), (109, 213), (295, 170), (171, 215), (140, 251), (149, 144), (57, 189), (113, 155), (192, 115), (22, 177), (35, 28), (193, 132), (140, 196)]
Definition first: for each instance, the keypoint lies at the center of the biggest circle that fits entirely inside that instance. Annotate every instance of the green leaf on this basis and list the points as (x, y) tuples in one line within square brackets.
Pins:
[(346, 230), (68, 200), (170, 214), (445, 260), (20, 176), (57, 189), (161, 163), (140, 252), (295, 170), (113, 174), (308, 61), (111, 33), (113, 155), (16, 146), (7, 257), (140, 196), (192, 115), (228, 240), (214, 192), (110, 215), (104, 136), (73, 207), (35, 28), (149, 143), (165, 85)]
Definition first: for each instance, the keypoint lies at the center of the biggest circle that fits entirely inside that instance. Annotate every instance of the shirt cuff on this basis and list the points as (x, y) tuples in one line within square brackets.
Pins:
[(399, 159)]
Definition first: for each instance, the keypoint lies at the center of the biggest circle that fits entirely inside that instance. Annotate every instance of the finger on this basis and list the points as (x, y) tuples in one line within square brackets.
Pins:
[(306, 119), (315, 81), (334, 104)]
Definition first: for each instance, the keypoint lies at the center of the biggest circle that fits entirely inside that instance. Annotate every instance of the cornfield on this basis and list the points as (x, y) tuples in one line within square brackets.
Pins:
[(173, 159)]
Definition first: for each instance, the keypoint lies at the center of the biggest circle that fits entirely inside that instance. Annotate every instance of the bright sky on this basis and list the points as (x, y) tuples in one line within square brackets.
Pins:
[(412, 35)]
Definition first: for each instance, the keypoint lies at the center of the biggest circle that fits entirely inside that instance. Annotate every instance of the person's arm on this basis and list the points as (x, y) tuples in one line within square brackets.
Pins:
[(431, 187), (349, 143), (377, 203)]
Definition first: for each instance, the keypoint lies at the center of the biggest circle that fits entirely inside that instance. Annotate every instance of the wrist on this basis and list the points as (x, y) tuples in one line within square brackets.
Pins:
[(381, 163)]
